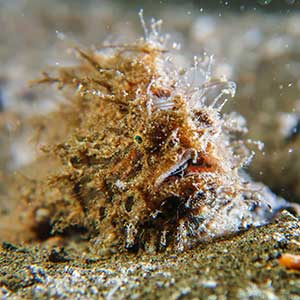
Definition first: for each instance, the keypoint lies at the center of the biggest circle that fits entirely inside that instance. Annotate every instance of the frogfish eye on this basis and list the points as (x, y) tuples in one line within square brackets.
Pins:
[(138, 139)]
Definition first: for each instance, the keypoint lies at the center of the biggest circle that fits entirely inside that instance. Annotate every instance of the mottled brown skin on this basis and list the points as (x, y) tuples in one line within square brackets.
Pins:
[(116, 174)]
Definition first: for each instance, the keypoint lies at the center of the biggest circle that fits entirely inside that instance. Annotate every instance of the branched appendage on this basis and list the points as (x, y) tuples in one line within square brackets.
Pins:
[(148, 161)]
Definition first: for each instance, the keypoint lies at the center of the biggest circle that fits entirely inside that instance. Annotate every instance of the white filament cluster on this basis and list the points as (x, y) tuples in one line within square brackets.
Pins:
[(195, 83)]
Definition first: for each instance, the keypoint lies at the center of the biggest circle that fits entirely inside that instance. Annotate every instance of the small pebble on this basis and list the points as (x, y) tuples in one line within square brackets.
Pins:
[(290, 261)]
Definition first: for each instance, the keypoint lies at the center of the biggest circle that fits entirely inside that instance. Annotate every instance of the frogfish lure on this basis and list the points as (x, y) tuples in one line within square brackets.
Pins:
[(146, 158)]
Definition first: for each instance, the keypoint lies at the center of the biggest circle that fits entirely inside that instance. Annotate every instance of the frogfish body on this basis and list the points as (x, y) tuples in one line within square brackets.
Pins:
[(146, 158)]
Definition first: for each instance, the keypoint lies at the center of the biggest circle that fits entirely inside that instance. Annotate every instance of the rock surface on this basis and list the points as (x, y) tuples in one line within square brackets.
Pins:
[(242, 267)]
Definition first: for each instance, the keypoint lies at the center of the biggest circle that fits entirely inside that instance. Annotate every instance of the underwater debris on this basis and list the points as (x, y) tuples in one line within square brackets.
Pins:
[(290, 261), (146, 159)]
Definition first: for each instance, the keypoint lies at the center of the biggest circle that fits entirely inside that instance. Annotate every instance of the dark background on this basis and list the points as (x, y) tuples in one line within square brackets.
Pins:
[(271, 6), (212, 6)]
